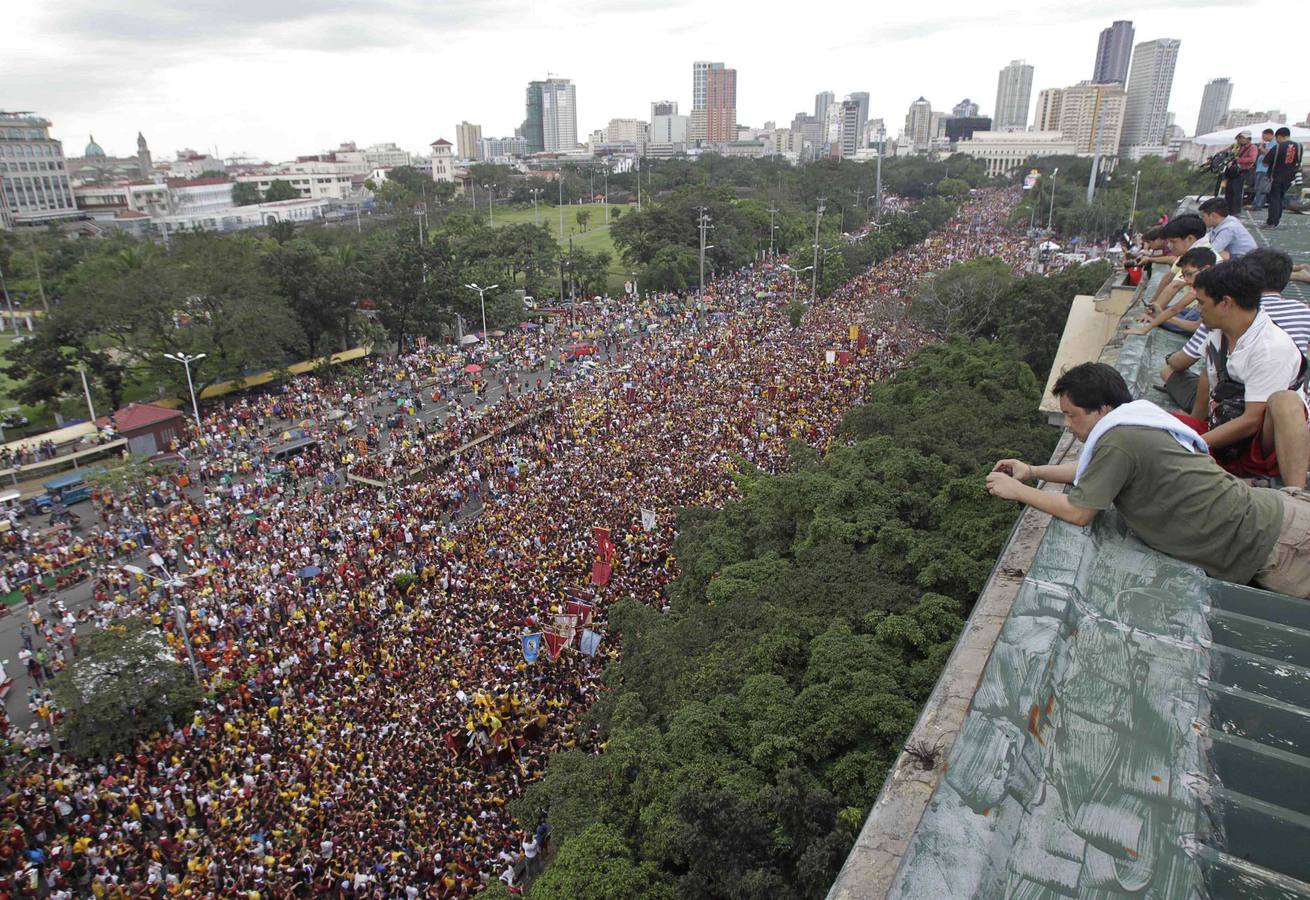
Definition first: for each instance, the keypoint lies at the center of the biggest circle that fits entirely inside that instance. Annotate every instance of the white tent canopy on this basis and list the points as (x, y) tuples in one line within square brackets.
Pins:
[(1228, 135)]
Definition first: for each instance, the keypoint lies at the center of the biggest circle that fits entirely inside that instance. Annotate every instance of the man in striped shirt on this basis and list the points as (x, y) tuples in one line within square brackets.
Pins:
[(1293, 317)]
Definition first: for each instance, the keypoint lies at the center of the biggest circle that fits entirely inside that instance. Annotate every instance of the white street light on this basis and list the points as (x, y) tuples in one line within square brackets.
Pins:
[(1051, 215), (187, 361), (482, 298), (795, 277), (180, 613)]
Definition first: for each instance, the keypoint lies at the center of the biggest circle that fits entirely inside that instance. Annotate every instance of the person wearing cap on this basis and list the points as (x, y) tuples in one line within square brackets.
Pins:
[(1245, 155)]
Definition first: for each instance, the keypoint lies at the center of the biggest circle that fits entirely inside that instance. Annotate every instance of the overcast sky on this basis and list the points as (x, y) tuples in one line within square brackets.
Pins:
[(277, 78)]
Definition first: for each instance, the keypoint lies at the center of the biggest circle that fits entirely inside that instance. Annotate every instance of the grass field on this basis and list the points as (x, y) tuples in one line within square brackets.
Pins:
[(595, 239)]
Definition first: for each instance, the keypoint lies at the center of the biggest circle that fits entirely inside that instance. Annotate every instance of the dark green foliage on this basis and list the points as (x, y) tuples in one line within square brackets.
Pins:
[(981, 298), (750, 727)]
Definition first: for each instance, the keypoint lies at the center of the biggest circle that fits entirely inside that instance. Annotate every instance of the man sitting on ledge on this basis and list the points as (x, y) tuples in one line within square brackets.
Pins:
[(1158, 475)]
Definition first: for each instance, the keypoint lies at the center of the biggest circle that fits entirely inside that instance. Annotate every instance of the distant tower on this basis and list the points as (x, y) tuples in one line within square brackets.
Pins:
[(1113, 52), (1013, 90), (143, 161), (1214, 104)]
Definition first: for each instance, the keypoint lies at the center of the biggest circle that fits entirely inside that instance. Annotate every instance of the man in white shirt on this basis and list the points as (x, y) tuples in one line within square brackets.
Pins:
[(1253, 413)]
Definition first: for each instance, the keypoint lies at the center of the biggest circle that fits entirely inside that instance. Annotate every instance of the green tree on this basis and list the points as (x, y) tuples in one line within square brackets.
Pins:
[(126, 684), (280, 189), (582, 216), (598, 865), (964, 299), (245, 193)]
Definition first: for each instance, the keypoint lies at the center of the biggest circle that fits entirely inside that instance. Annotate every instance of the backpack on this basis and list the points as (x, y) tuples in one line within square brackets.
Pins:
[(1228, 397)]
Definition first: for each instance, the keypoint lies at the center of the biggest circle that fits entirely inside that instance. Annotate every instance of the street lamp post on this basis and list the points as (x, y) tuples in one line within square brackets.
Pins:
[(9, 303), (482, 298), (1133, 213), (186, 361), (491, 201), (814, 274), (773, 211), (536, 216), (1050, 216), (560, 180), (703, 223), (181, 615), (878, 185)]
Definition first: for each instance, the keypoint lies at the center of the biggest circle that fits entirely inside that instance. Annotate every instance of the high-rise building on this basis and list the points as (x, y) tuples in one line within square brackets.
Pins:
[(961, 128), (531, 129), (1048, 109), (1092, 117), (919, 125), (34, 184), (1150, 80), (1214, 104), (862, 98), (851, 128), (713, 116), (965, 109), (468, 140), (663, 108), (627, 131), (559, 115), (720, 105), (1013, 91), (668, 129), (1113, 51), (822, 101), (1241, 118), (491, 149)]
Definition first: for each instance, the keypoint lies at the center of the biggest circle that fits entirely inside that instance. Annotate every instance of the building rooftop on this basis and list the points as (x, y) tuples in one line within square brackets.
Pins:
[(1112, 723)]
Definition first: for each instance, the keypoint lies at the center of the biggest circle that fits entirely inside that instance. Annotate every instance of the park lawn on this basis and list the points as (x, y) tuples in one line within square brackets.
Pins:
[(596, 239)]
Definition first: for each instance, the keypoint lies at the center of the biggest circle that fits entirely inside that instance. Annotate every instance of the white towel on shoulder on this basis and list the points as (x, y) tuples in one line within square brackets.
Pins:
[(1145, 414)]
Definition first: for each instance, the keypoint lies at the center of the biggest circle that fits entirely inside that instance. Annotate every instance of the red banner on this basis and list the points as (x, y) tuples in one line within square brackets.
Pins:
[(555, 644), (600, 573), (584, 611), (604, 545)]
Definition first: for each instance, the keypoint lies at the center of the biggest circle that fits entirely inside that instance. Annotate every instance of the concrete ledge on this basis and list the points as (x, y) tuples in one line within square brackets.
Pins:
[(872, 864)]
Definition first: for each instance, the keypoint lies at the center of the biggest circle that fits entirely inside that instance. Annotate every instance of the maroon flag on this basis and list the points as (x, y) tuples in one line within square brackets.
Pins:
[(554, 644), (600, 573), (604, 545), (584, 611)]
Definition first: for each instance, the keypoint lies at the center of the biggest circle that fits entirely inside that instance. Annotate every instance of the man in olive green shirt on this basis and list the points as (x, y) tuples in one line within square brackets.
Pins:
[(1169, 491)]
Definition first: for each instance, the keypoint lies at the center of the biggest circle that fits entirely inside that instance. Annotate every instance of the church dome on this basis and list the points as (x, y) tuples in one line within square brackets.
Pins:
[(93, 149)]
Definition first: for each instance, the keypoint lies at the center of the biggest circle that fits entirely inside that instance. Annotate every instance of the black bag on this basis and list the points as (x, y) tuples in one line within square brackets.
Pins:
[(1228, 397)]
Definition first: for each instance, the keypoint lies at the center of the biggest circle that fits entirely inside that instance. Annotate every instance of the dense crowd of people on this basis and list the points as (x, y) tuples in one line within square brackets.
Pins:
[(374, 710)]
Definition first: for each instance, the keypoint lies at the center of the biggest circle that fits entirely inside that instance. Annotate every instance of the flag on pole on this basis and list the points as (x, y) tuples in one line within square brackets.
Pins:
[(531, 647), (583, 612), (589, 643), (600, 573), (555, 644), (604, 545), (566, 626)]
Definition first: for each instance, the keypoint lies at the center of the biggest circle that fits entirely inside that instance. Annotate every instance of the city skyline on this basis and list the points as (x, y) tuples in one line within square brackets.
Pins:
[(213, 80)]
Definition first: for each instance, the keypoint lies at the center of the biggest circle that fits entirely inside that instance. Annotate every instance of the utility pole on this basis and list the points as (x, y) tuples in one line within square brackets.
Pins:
[(1137, 178), (638, 184), (86, 388), (1096, 153), (9, 303), (607, 193), (703, 223), (36, 264), (814, 275), (773, 211), (536, 216), (882, 143), (560, 180)]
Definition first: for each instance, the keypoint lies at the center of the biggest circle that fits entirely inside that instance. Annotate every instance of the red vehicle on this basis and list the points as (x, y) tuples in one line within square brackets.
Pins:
[(579, 350)]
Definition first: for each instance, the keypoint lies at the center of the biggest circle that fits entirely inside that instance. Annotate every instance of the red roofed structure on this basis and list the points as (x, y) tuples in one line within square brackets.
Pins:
[(148, 429)]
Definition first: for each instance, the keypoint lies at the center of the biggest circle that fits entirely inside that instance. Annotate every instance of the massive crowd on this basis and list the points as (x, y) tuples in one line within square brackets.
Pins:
[(373, 719)]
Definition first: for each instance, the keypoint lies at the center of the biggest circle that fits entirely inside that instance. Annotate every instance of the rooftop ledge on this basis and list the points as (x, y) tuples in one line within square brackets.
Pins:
[(1112, 722)]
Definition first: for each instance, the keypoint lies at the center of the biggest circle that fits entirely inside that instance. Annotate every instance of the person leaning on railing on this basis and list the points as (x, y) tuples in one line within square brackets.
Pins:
[(1157, 474)]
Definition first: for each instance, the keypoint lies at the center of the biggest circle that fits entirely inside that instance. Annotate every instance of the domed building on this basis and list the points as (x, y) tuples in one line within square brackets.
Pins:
[(95, 166)]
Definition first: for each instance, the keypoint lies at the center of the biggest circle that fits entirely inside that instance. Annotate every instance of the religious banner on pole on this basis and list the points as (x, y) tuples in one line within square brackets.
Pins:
[(579, 593), (555, 644), (855, 332), (648, 519), (583, 611), (531, 647), (604, 544), (589, 643), (567, 626), (600, 573)]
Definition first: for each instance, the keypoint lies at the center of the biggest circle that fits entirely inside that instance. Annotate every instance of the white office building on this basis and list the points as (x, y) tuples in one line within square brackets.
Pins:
[(559, 115), (34, 184), (1215, 98), (1150, 81), (1014, 88)]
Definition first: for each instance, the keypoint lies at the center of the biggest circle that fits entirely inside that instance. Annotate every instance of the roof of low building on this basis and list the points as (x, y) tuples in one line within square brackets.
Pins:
[(136, 416)]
